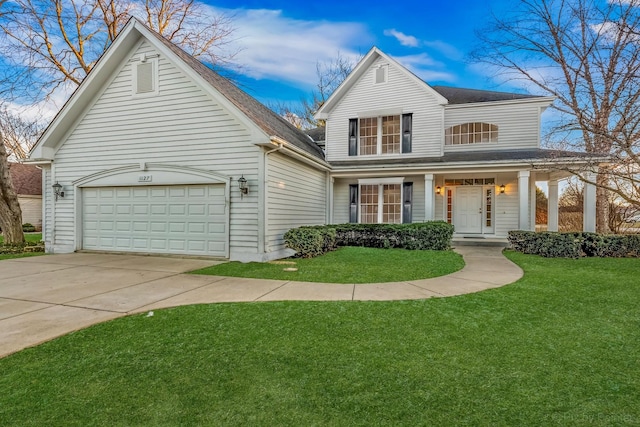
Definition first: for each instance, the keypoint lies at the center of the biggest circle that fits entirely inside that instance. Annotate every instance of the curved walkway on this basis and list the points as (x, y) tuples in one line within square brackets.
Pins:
[(44, 297)]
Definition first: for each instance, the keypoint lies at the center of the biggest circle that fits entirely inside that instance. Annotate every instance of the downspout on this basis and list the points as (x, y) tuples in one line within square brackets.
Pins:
[(265, 197)]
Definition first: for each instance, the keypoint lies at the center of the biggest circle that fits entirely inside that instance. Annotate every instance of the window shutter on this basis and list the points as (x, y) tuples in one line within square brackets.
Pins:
[(406, 132), (353, 203), (353, 137), (145, 77), (407, 195)]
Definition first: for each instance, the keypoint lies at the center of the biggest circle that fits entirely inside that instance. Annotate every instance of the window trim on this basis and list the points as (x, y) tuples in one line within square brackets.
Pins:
[(491, 132), (404, 142), (381, 182)]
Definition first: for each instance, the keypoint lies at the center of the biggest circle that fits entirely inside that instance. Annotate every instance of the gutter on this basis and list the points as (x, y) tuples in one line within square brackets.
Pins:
[(300, 154)]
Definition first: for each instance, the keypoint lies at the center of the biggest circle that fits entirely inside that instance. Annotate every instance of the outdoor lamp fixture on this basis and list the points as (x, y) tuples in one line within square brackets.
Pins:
[(438, 190), (242, 185), (502, 188), (57, 190)]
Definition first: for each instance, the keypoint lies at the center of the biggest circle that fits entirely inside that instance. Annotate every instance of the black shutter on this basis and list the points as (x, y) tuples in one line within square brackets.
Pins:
[(407, 196), (353, 137), (353, 203), (406, 132)]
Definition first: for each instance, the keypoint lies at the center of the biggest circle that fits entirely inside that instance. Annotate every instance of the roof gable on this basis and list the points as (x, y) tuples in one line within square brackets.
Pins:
[(358, 72), (247, 109)]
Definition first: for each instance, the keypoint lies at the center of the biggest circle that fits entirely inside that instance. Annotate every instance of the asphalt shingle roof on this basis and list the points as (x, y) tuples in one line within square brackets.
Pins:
[(534, 155), (27, 179), (456, 95)]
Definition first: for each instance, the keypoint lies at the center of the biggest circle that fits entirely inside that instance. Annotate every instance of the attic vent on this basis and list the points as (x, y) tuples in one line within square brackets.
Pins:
[(381, 74), (145, 77)]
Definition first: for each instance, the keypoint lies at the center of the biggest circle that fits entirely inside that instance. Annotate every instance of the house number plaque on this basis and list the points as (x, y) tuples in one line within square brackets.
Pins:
[(144, 178)]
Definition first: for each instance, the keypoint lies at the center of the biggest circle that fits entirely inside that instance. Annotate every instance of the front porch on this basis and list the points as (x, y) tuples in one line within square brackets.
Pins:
[(482, 204)]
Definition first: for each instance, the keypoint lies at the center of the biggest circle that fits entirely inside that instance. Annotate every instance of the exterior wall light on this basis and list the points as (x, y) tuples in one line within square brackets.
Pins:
[(242, 185), (438, 190), (57, 191), (502, 189)]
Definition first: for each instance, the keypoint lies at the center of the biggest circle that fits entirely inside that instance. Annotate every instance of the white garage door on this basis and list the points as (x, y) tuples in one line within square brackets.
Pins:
[(176, 219)]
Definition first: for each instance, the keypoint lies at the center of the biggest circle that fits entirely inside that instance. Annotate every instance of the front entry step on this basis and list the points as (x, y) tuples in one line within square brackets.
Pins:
[(480, 241)]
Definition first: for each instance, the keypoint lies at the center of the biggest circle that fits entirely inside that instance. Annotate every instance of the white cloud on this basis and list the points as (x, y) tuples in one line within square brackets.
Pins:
[(425, 67), (404, 39), (274, 46)]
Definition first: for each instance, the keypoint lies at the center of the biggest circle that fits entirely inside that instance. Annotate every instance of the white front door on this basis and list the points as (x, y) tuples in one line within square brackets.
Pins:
[(468, 209)]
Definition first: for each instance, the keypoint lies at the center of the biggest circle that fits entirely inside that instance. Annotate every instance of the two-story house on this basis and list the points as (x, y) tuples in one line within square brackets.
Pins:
[(156, 153), (403, 151)]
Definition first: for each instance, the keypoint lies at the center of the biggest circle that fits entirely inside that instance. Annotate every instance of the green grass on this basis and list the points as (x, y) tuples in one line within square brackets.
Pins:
[(349, 265), (30, 237), (558, 348)]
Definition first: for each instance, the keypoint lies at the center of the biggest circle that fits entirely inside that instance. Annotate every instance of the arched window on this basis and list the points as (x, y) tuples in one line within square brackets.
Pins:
[(471, 133)]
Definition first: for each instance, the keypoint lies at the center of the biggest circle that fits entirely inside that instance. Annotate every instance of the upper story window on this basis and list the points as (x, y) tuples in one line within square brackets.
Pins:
[(471, 133), (380, 135)]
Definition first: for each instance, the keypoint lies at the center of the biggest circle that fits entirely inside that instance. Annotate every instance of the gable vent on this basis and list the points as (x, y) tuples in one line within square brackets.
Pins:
[(381, 74), (144, 76)]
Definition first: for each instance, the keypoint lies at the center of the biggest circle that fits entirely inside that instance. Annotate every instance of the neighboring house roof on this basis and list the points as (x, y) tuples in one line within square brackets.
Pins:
[(521, 156), (27, 179), (457, 95), (262, 117)]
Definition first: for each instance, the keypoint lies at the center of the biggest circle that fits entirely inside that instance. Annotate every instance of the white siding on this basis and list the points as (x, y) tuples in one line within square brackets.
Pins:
[(181, 125), (399, 93), (507, 204), (297, 196), (518, 124)]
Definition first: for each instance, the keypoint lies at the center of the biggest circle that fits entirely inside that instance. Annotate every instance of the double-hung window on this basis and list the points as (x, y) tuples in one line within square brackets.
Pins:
[(381, 201), (380, 135)]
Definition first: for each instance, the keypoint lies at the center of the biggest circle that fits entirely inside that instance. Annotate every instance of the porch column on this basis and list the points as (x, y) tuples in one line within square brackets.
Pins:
[(429, 198), (532, 201), (332, 181), (552, 205), (589, 204), (523, 197)]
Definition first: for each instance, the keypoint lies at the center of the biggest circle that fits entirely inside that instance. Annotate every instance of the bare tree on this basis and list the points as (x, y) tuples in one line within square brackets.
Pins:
[(20, 134), (10, 213), (330, 74), (587, 54), (47, 44)]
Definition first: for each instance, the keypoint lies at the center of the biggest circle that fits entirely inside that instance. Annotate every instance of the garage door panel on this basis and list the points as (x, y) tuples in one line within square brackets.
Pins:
[(185, 219)]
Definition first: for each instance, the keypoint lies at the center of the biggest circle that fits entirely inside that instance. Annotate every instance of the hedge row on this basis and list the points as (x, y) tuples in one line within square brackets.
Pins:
[(312, 241), (575, 245)]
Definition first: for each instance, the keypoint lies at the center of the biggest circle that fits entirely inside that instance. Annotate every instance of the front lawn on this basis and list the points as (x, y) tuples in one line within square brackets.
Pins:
[(29, 237), (558, 348), (349, 265)]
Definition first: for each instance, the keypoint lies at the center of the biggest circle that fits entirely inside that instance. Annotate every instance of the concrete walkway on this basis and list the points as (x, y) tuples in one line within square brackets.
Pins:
[(44, 297)]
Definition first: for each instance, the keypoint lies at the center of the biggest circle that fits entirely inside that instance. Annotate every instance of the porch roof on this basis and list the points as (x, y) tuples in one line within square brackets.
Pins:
[(476, 158)]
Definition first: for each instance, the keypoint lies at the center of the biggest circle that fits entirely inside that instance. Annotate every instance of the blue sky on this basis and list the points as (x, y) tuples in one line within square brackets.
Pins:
[(282, 41)]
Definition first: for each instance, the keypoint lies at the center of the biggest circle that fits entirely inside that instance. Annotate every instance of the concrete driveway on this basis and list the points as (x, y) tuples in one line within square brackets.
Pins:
[(47, 296)]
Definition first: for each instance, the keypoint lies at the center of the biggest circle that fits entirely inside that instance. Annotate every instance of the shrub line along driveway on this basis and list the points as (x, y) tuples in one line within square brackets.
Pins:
[(44, 297)]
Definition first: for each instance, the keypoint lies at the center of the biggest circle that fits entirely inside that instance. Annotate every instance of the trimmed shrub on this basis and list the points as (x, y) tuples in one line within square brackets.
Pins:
[(434, 235), (317, 240), (28, 227), (575, 245), (311, 241)]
